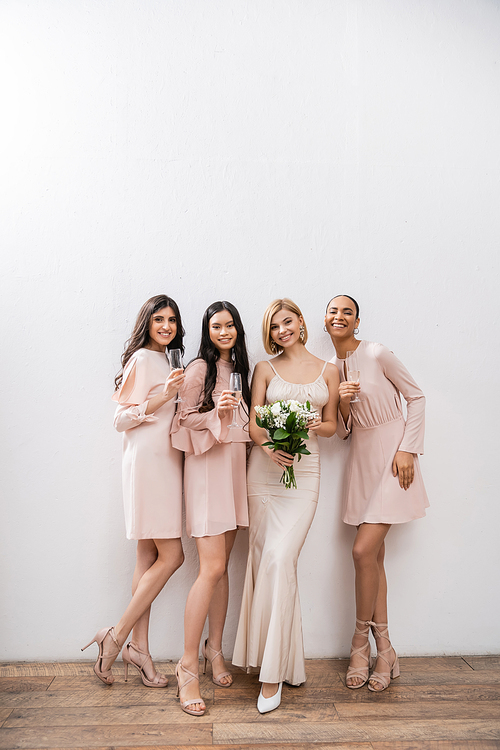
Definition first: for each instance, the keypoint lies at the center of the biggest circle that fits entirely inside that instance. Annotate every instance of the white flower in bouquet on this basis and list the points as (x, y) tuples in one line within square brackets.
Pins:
[(286, 424)]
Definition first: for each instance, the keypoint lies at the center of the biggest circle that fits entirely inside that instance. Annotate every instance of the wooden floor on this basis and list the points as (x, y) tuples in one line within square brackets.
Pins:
[(440, 703)]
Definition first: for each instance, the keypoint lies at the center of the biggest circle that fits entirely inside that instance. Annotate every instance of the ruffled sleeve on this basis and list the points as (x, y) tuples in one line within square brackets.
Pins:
[(132, 396), (193, 432), (396, 372)]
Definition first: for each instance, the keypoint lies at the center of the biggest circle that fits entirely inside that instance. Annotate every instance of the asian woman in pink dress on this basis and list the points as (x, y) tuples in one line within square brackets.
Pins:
[(152, 481), (215, 491), (383, 483)]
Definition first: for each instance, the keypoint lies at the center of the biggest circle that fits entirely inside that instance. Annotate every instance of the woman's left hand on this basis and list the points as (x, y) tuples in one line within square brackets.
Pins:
[(402, 466), (314, 424)]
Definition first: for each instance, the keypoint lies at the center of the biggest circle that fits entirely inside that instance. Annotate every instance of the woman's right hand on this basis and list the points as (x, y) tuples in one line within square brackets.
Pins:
[(173, 384), (226, 404), (280, 458), (347, 390)]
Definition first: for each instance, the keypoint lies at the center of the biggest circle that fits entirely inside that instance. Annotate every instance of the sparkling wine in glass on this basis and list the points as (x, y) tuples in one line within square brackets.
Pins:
[(235, 388), (353, 373), (175, 356)]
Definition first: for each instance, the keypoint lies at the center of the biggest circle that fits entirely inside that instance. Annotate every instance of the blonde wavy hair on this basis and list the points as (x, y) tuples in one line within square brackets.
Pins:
[(271, 346)]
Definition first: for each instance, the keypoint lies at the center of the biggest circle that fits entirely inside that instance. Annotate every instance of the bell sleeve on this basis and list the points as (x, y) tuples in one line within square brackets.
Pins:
[(192, 431), (343, 428), (132, 397), (396, 372)]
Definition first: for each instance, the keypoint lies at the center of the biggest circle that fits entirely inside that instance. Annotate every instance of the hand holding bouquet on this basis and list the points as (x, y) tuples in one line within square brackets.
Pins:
[(286, 423)]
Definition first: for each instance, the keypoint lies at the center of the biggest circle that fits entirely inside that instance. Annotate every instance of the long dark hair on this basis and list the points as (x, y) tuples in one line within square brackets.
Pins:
[(140, 335), (210, 354)]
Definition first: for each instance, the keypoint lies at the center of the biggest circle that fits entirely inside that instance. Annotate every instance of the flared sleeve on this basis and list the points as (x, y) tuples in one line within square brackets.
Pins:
[(396, 372), (192, 431), (343, 428), (132, 396)]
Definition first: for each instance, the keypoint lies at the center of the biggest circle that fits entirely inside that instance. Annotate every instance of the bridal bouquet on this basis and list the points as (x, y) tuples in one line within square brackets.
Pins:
[(285, 422)]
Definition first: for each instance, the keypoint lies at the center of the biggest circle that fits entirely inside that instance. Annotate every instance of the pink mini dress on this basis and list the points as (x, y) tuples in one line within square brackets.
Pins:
[(215, 492), (378, 430), (152, 468)]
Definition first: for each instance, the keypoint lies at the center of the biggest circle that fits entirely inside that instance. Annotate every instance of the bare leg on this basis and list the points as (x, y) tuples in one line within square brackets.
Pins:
[(212, 554), (170, 558), (217, 615), (380, 616), (371, 586), (147, 554)]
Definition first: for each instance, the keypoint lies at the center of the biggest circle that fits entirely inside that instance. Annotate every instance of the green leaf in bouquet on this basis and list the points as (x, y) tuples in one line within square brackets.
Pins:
[(270, 444), (281, 434), (259, 422), (304, 451), (303, 435), (308, 404), (290, 422)]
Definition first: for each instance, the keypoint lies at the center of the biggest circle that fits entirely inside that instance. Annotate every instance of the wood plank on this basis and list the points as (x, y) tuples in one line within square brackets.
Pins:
[(114, 736), (448, 729), (168, 712), (398, 692), (422, 710), (412, 745), (486, 677), (73, 668), (4, 715), (434, 664), (272, 746), (23, 684), (123, 695), (438, 745), (483, 662)]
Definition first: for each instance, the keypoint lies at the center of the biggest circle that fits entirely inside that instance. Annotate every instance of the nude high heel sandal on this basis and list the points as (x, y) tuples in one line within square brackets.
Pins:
[(381, 630), (364, 651), (185, 704), (159, 680), (104, 676), (215, 680)]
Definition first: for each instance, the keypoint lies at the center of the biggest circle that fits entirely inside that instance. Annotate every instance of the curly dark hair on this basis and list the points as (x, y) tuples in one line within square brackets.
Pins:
[(209, 353), (140, 335)]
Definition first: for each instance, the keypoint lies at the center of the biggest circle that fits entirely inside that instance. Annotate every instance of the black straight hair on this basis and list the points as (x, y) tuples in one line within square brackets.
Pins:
[(209, 353)]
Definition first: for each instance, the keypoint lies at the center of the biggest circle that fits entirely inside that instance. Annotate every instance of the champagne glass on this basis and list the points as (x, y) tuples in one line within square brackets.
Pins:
[(175, 356), (235, 387), (352, 367)]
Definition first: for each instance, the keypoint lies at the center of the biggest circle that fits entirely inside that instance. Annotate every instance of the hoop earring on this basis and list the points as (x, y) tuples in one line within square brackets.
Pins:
[(272, 346), (233, 356), (324, 328), (356, 331), (302, 334)]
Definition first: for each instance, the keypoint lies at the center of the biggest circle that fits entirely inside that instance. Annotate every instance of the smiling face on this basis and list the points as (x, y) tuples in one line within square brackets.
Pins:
[(340, 318), (285, 328), (223, 333), (162, 329)]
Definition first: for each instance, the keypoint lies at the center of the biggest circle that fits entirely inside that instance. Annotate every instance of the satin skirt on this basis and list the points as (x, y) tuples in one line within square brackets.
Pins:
[(270, 626)]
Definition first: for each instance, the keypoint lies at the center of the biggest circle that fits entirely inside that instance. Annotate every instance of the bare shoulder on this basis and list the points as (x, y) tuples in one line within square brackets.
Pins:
[(263, 370), (331, 373)]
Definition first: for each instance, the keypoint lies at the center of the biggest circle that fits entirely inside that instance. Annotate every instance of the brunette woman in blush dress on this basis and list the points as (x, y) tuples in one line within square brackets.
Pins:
[(270, 627), (152, 481), (214, 488), (383, 484)]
